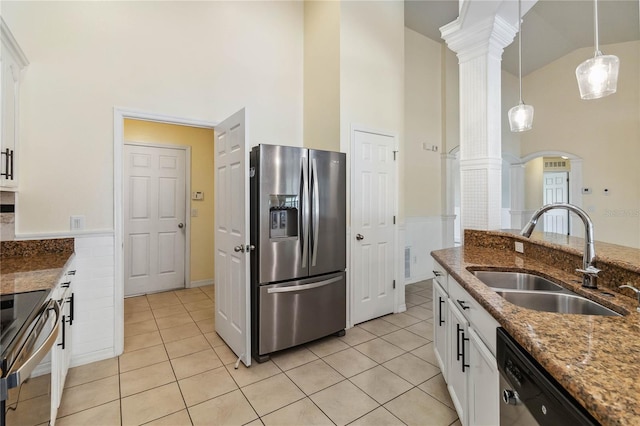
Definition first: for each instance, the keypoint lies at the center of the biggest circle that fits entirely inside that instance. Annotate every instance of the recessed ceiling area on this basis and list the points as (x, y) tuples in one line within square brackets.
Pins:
[(550, 30)]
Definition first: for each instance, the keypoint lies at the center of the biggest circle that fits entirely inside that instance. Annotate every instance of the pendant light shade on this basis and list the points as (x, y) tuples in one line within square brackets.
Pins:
[(521, 118), (521, 115), (597, 76)]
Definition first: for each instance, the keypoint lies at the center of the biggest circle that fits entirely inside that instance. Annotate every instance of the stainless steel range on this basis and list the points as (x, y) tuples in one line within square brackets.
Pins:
[(298, 231), (30, 324)]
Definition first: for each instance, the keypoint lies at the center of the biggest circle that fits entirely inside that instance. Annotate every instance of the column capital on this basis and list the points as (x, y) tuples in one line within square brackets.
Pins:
[(486, 37)]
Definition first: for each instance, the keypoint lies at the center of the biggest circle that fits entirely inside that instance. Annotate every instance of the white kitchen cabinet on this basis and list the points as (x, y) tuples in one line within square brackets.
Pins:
[(483, 384), (61, 352), (465, 347), (458, 360), (12, 63), (440, 321)]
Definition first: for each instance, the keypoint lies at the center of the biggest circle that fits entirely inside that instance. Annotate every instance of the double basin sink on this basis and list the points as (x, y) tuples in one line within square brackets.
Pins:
[(537, 293)]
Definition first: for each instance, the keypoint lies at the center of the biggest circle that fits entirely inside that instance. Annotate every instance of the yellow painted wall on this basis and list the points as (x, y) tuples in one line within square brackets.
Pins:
[(202, 173)]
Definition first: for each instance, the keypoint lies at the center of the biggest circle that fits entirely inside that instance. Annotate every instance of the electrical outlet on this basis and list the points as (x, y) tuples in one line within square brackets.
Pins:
[(76, 223), (519, 247), (194, 212)]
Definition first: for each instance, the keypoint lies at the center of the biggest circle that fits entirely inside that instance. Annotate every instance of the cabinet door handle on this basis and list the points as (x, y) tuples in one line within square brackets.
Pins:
[(437, 273), (71, 308), (458, 353), (464, 365), (440, 302), (64, 335), (462, 304), (65, 284)]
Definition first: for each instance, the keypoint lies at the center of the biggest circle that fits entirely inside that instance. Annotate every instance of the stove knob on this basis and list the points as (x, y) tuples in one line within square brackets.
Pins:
[(510, 397)]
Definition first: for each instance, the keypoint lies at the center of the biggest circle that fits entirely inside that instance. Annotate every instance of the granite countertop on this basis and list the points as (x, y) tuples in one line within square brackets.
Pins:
[(595, 358), (33, 265)]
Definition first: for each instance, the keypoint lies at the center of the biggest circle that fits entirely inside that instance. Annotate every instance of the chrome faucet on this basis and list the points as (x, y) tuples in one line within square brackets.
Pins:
[(589, 271)]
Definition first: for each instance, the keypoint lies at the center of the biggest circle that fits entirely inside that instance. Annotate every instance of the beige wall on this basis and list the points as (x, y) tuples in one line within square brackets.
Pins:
[(423, 124), (198, 60), (605, 133), (372, 72), (534, 171), (451, 98), (510, 98), (202, 174), (322, 75)]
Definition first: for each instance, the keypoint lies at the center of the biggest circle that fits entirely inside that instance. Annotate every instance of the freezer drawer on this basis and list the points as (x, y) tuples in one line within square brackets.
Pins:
[(301, 311)]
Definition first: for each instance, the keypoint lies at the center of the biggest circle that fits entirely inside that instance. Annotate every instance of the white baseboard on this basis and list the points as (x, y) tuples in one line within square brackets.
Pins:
[(401, 308), (90, 357), (200, 283)]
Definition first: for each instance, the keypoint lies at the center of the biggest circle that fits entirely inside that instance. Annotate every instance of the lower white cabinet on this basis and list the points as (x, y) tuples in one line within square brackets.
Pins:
[(483, 385), (464, 345), (458, 374), (440, 322), (61, 352)]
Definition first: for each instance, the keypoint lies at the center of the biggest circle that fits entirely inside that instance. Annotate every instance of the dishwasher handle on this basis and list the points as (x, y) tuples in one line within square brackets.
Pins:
[(18, 373), (292, 288)]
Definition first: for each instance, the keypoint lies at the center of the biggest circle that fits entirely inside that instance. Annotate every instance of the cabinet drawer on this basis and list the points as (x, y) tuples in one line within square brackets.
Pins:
[(440, 275), (479, 319)]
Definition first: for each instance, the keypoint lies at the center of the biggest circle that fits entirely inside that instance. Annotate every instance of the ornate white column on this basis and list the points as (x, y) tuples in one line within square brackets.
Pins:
[(448, 199), (479, 45)]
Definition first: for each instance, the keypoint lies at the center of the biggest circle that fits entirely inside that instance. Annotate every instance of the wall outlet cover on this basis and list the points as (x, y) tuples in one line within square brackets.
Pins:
[(519, 247)]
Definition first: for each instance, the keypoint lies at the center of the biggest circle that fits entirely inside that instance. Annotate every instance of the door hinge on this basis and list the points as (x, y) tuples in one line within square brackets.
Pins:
[(394, 220), (394, 284), (394, 155)]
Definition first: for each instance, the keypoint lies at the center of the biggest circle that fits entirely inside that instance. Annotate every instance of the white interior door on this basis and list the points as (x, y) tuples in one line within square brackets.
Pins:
[(556, 190), (232, 236), (154, 219), (372, 222)]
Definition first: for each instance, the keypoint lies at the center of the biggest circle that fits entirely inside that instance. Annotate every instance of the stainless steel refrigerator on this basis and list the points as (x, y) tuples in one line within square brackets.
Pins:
[(298, 229)]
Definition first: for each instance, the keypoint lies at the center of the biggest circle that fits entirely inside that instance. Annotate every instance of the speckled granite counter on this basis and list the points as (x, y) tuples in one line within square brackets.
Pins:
[(596, 358), (33, 265)]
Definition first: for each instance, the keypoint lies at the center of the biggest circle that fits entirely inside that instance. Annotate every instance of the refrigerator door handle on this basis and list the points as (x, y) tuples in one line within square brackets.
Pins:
[(304, 211), (291, 288), (315, 213)]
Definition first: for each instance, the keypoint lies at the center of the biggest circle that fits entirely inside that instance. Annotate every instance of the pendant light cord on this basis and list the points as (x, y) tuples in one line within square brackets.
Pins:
[(595, 26), (520, 50)]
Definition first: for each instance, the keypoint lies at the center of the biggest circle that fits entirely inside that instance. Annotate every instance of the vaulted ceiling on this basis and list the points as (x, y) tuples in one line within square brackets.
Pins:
[(550, 30)]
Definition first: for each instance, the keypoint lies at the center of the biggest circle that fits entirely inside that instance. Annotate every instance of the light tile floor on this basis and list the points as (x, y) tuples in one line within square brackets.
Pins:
[(176, 370)]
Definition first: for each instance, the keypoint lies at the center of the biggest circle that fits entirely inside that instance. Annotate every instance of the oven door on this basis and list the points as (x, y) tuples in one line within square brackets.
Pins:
[(27, 400)]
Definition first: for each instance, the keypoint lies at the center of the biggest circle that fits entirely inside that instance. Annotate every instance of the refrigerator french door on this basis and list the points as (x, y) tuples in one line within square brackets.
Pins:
[(298, 229)]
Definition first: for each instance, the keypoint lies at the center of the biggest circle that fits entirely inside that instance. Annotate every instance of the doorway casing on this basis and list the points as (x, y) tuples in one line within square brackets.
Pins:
[(119, 115)]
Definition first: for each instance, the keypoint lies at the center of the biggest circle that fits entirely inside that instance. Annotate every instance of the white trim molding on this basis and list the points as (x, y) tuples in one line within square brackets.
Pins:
[(119, 115)]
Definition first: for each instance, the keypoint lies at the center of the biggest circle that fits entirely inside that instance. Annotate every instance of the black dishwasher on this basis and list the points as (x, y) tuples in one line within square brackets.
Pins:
[(530, 396)]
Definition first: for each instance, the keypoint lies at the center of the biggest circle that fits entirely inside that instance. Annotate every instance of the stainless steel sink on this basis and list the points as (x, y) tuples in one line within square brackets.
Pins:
[(516, 281), (563, 303), (537, 293)]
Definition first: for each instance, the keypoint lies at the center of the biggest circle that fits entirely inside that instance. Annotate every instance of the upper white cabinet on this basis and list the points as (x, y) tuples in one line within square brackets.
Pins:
[(13, 62)]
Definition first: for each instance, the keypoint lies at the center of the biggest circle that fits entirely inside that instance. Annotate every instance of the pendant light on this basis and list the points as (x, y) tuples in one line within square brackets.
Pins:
[(597, 76), (521, 115)]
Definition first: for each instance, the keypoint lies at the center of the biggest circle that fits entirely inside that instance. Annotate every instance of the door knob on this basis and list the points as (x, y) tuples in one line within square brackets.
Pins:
[(359, 237), (181, 225), (239, 248)]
